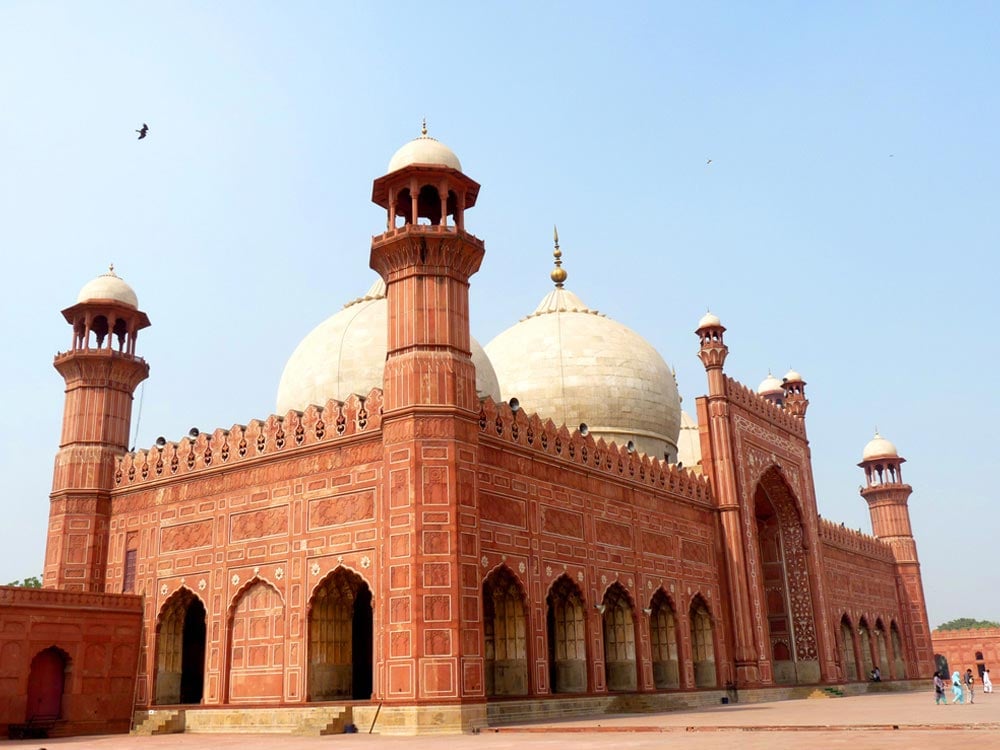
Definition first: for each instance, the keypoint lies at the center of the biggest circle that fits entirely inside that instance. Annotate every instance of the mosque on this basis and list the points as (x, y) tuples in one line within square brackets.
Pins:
[(434, 535)]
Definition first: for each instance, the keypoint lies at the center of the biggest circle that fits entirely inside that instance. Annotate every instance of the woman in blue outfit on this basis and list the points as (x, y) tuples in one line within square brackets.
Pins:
[(956, 688)]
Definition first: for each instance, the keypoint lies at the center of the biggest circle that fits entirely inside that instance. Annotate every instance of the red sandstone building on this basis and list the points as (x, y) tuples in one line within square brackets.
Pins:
[(466, 529)]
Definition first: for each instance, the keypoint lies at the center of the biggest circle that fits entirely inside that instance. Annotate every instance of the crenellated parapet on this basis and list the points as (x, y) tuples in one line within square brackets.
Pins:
[(61, 599), (499, 421), (761, 407), (277, 434), (837, 535)]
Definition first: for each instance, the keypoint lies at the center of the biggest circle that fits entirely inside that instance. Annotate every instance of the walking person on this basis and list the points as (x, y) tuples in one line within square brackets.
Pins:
[(969, 681), (956, 688), (987, 683), (939, 696)]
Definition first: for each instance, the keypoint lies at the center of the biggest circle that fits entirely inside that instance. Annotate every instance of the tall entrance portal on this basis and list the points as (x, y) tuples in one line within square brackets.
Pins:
[(180, 650), (340, 638)]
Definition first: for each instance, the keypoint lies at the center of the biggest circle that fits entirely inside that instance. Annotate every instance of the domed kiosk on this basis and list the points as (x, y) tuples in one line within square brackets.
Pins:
[(573, 365)]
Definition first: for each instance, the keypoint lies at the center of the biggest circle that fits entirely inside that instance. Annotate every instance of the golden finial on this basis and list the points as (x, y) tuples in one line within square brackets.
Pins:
[(558, 274), (423, 128), (111, 270)]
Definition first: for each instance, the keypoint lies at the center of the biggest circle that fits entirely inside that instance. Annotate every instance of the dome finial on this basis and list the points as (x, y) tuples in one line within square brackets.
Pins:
[(558, 274), (876, 432), (423, 127)]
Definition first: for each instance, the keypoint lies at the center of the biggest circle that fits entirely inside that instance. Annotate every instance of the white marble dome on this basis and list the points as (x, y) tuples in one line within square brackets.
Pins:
[(793, 377), (108, 286), (424, 150), (770, 385), (573, 365), (709, 320), (346, 353), (879, 447)]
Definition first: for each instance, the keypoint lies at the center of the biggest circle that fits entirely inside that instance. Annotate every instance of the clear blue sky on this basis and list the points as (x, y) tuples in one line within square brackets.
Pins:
[(847, 225)]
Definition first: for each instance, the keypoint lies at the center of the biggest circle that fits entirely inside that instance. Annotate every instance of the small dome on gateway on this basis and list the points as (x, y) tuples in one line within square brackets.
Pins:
[(793, 377), (108, 286), (879, 447), (769, 385), (709, 320), (424, 150)]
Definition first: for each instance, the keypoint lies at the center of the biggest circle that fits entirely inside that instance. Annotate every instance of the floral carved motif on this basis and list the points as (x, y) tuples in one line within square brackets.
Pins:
[(259, 524), (348, 508), (562, 522), (613, 534), (186, 536)]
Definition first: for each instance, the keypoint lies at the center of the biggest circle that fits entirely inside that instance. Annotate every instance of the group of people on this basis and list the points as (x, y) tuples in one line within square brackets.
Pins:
[(960, 685)]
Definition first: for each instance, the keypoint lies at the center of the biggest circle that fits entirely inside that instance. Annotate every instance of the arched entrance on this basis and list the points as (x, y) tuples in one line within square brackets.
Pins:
[(847, 650), (619, 640), (899, 660), (340, 638), (505, 631), (46, 682), (663, 640), (881, 648), (256, 644), (180, 650), (567, 637), (702, 644), (785, 578), (865, 645)]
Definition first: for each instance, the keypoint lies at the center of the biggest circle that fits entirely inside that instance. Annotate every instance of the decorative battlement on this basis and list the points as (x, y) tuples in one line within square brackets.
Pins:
[(748, 399), (59, 598), (530, 431), (837, 535), (431, 229), (317, 424)]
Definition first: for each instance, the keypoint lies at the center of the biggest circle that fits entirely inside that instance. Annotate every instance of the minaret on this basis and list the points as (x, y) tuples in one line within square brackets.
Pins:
[(887, 498), (796, 402), (713, 411), (101, 371), (430, 645)]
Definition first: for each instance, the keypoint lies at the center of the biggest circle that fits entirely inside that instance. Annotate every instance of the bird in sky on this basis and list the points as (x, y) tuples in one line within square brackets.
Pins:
[(142, 132), (708, 162)]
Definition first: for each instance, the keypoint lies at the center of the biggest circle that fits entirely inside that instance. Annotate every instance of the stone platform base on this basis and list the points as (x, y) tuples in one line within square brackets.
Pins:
[(306, 721)]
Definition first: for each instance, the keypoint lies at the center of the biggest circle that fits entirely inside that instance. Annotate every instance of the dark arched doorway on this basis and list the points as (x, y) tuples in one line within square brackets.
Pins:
[(663, 642), (619, 640), (506, 634), (340, 638), (180, 650), (567, 636), (46, 683)]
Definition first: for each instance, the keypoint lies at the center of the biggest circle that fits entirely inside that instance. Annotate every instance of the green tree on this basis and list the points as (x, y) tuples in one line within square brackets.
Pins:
[(967, 623), (31, 582)]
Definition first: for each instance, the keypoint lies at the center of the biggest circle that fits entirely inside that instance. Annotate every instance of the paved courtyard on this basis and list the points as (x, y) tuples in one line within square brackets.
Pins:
[(908, 720)]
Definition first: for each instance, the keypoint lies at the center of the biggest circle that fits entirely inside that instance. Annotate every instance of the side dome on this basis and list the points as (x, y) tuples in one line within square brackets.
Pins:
[(346, 353), (879, 447), (573, 365), (108, 286), (769, 386), (424, 150)]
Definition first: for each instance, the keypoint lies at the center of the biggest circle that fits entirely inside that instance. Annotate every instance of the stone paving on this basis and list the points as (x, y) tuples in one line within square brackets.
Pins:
[(908, 720)]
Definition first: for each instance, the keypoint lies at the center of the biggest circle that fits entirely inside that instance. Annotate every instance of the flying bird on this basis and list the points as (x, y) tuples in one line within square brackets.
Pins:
[(142, 132), (708, 162)]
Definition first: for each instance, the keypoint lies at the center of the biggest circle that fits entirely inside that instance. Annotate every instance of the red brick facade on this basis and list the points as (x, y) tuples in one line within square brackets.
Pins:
[(976, 649), (432, 552)]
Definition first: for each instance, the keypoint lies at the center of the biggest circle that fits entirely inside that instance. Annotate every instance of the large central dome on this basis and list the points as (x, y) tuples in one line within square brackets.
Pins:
[(574, 365), (346, 353)]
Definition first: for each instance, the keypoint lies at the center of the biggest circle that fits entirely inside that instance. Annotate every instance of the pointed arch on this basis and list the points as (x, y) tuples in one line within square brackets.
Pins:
[(848, 648), (505, 628), (181, 635), (663, 642), (340, 638), (787, 596), (702, 643), (618, 625), (865, 647), (898, 656), (567, 637), (46, 684), (256, 653), (881, 648)]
